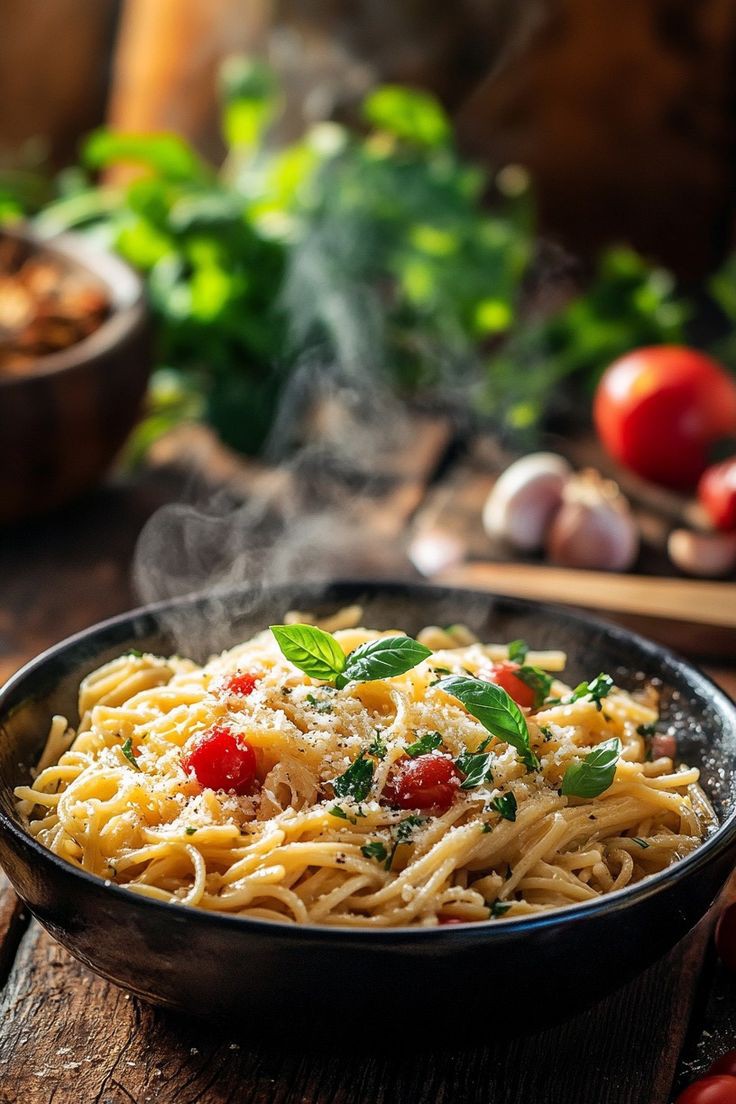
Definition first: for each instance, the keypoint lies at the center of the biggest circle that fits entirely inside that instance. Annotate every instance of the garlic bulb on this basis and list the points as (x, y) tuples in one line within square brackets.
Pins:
[(710, 555), (593, 527), (525, 498)]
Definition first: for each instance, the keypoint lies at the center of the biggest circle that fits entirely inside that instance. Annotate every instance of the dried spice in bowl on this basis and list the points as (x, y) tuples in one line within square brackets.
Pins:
[(46, 305)]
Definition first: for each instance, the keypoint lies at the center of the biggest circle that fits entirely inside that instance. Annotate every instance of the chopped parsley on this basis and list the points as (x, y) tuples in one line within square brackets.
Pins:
[(547, 732), (642, 843), (518, 651), (485, 827), (127, 750), (402, 833), (430, 741), (357, 780), (336, 811), (134, 653), (377, 747), (538, 681), (319, 705), (189, 831), (375, 850), (597, 689), (646, 730), (476, 766), (499, 908), (506, 805)]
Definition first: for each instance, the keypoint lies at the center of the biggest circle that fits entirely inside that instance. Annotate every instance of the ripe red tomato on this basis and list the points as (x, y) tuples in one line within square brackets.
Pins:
[(725, 1064), (717, 493), (220, 760), (659, 410), (711, 1090), (726, 937), (427, 782), (241, 684), (504, 675)]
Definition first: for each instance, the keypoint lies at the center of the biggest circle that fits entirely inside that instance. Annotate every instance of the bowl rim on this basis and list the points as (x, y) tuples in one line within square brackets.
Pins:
[(128, 310), (722, 839)]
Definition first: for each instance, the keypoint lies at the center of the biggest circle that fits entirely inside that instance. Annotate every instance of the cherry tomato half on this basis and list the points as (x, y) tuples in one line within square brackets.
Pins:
[(243, 685), (220, 760), (726, 937), (725, 1064), (711, 1090), (504, 675), (717, 493), (427, 782), (659, 410)]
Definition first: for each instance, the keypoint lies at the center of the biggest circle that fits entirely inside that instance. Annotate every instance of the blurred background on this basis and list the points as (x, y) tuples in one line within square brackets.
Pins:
[(328, 268)]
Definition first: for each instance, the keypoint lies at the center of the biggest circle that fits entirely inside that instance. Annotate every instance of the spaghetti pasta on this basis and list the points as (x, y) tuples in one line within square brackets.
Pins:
[(323, 832)]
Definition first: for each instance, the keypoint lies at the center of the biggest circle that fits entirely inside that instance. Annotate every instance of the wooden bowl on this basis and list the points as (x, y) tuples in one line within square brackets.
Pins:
[(62, 423)]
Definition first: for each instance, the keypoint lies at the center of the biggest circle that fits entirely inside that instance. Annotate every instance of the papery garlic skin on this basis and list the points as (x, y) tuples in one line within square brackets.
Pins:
[(525, 499), (594, 527), (708, 555)]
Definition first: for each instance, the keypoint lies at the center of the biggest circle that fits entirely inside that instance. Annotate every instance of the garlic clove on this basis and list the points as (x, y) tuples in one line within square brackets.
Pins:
[(525, 498), (594, 527), (710, 555)]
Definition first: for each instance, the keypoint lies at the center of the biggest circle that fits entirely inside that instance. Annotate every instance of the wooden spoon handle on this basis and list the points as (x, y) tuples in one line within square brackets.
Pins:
[(696, 601)]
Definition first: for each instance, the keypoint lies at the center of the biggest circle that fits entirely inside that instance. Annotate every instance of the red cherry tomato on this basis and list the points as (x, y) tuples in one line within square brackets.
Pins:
[(717, 493), (220, 760), (504, 675), (726, 937), (241, 684), (659, 410), (725, 1064), (428, 782), (711, 1090)]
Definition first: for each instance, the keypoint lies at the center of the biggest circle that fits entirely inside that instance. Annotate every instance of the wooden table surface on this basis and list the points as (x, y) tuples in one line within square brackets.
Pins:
[(68, 1037)]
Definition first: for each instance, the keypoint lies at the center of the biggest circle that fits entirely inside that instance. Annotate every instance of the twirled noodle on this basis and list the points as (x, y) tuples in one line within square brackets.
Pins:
[(290, 851)]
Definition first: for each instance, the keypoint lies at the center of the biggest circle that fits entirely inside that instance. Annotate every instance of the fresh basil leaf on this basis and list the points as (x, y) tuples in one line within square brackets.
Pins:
[(506, 805), (498, 908), (497, 712), (597, 689), (375, 850), (595, 774), (518, 651), (430, 741), (356, 782), (402, 833), (538, 681), (312, 650), (476, 766), (127, 750), (383, 658)]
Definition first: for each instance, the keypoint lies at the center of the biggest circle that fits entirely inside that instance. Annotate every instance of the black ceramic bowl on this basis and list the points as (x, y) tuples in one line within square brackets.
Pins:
[(512, 974)]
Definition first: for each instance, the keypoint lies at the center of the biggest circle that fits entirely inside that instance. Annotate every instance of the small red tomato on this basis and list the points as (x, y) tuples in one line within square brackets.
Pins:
[(717, 494), (504, 675), (241, 684), (427, 782), (221, 761), (726, 937), (659, 410), (725, 1064), (711, 1090)]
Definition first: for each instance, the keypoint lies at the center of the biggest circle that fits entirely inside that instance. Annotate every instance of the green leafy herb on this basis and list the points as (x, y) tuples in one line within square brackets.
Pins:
[(518, 651), (506, 805), (375, 850), (442, 671), (312, 650), (356, 782), (189, 831), (642, 843), (377, 747), (646, 730), (496, 711), (499, 908), (547, 732), (476, 766), (430, 741), (134, 653), (320, 706), (597, 689), (538, 681), (383, 658), (485, 827), (595, 774), (336, 811), (127, 750), (402, 833)]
